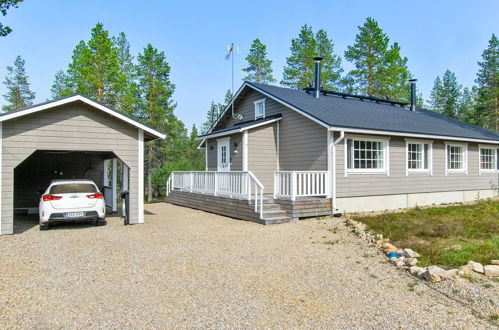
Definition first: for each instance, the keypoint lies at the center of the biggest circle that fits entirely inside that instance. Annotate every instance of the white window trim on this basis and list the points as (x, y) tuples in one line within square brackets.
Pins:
[(430, 156), (386, 155), (465, 158), (496, 156), (256, 103)]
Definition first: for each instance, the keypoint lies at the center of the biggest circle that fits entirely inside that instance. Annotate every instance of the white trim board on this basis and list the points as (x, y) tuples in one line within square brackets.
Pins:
[(406, 134), (236, 130), (83, 99), (140, 192), (1, 172)]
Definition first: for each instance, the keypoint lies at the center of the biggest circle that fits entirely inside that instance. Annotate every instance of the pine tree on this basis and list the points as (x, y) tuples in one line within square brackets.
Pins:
[(228, 97), (62, 85), (487, 107), (156, 108), (18, 94), (380, 70), (4, 6), (467, 105), (300, 65), (126, 90), (259, 67), (446, 95)]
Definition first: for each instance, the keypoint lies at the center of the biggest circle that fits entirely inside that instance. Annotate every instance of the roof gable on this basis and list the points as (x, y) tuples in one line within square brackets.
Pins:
[(154, 134)]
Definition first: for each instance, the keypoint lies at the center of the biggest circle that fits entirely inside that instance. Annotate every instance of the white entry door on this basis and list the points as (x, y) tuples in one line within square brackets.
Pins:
[(223, 154)]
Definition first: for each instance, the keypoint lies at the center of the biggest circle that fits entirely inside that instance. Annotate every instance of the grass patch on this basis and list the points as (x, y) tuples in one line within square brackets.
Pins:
[(446, 235)]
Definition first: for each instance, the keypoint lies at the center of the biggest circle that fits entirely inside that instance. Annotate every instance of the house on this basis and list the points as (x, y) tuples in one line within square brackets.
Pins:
[(73, 137), (313, 152)]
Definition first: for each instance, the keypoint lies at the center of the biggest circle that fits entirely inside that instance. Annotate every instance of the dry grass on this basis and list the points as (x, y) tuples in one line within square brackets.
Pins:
[(447, 235)]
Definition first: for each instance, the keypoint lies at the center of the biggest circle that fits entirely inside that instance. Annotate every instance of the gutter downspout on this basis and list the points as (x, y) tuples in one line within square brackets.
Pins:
[(333, 199)]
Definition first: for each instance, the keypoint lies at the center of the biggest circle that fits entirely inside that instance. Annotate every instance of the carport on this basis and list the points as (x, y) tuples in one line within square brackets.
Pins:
[(73, 137)]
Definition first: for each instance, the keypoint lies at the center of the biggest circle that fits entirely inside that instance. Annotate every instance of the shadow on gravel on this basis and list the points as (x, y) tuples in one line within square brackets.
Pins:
[(24, 222)]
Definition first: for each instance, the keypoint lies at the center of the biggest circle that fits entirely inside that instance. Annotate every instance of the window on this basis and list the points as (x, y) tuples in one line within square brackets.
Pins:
[(488, 159), (456, 158), (366, 155), (418, 156), (224, 154), (259, 108)]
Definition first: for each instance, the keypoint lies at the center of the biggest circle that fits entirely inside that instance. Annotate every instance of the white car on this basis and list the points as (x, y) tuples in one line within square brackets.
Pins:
[(72, 200)]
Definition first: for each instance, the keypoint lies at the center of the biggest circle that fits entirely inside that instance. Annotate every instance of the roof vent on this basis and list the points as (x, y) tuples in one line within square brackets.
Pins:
[(317, 87)]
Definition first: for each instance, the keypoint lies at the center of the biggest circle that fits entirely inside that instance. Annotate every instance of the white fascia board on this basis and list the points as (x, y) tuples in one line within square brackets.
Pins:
[(87, 101), (415, 135), (236, 130)]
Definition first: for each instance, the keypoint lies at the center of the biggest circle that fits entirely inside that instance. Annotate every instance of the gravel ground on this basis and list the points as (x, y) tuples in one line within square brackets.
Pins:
[(189, 269)]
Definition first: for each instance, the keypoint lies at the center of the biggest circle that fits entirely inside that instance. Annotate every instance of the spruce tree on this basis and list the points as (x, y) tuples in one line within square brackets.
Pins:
[(300, 65), (380, 70), (18, 94), (487, 107), (446, 95), (259, 67)]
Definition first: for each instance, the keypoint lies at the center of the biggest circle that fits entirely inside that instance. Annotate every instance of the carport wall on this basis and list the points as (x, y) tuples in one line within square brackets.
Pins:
[(74, 126)]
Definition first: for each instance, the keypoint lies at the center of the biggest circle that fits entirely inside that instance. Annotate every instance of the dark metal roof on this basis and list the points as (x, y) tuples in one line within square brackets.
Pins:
[(350, 111), (240, 125)]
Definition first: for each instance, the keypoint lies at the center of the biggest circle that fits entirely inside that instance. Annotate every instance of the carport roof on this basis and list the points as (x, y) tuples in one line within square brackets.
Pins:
[(151, 132)]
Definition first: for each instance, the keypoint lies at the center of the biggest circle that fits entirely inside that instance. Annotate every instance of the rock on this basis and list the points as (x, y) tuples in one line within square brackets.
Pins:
[(494, 262), (435, 274), (465, 270), (491, 270), (388, 247), (379, 237), (415, 270), (411, 261), (477, 267), (452, 272), (409, 253), (400, 263)]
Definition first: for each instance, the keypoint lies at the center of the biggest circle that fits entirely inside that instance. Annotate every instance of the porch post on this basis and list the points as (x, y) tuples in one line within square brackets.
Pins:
[(114, 183), (245, 151)]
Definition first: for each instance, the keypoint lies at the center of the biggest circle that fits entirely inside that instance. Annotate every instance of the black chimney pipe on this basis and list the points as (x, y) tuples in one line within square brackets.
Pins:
[(413, 94), (317, 86)]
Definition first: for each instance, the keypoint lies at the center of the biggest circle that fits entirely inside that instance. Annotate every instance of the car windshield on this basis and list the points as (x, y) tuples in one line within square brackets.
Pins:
[(71, 188)]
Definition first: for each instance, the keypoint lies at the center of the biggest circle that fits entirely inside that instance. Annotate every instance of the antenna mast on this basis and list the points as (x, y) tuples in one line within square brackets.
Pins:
[(230, 54)]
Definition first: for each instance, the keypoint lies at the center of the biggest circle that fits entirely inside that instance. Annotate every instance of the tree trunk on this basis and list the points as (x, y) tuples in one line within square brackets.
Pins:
[(149, 181)]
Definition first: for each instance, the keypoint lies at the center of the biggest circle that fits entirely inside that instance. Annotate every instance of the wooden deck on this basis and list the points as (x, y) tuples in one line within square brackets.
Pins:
[(274, 210)]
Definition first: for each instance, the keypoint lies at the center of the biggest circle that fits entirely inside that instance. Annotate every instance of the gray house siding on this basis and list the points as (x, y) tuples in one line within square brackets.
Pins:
[(302, 142), (71, 127), (262, 154), (236, 155), (356, 185)]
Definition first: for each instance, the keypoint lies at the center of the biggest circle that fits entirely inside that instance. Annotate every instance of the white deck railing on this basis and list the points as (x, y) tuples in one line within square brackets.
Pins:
[(232, 184), (293, 184)]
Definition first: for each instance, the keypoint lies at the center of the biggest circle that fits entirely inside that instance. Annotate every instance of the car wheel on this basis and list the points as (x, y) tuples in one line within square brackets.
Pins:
[(44, 226), (101, 222)]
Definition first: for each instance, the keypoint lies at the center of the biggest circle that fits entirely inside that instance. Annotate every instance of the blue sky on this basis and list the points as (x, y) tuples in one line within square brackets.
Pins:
[(434, 35)]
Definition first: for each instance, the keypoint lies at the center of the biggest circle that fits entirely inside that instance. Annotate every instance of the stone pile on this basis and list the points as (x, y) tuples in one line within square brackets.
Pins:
[(407, 258)]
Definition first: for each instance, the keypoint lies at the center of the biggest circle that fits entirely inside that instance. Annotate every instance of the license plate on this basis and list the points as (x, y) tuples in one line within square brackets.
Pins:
[(74, 214)]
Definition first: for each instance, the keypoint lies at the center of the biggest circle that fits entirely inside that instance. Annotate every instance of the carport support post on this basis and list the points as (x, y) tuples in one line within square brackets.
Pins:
[(114, 183)]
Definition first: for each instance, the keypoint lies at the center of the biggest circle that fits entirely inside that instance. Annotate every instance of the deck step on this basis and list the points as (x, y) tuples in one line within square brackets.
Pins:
[(277, 219)]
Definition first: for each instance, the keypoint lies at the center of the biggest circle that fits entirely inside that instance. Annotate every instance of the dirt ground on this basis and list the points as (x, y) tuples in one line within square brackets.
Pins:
[(189, 269)]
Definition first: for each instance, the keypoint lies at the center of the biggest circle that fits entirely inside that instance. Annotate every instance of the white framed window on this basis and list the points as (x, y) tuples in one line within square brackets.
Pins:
[(456, 158), (419, 156), (488, 158), (259, 108), (366, 155)]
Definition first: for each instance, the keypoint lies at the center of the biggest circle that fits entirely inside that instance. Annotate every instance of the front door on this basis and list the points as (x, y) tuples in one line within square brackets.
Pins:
[(223, 154)]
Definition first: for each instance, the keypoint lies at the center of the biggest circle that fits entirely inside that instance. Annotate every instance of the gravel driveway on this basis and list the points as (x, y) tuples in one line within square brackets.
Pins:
[(185, 268)]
